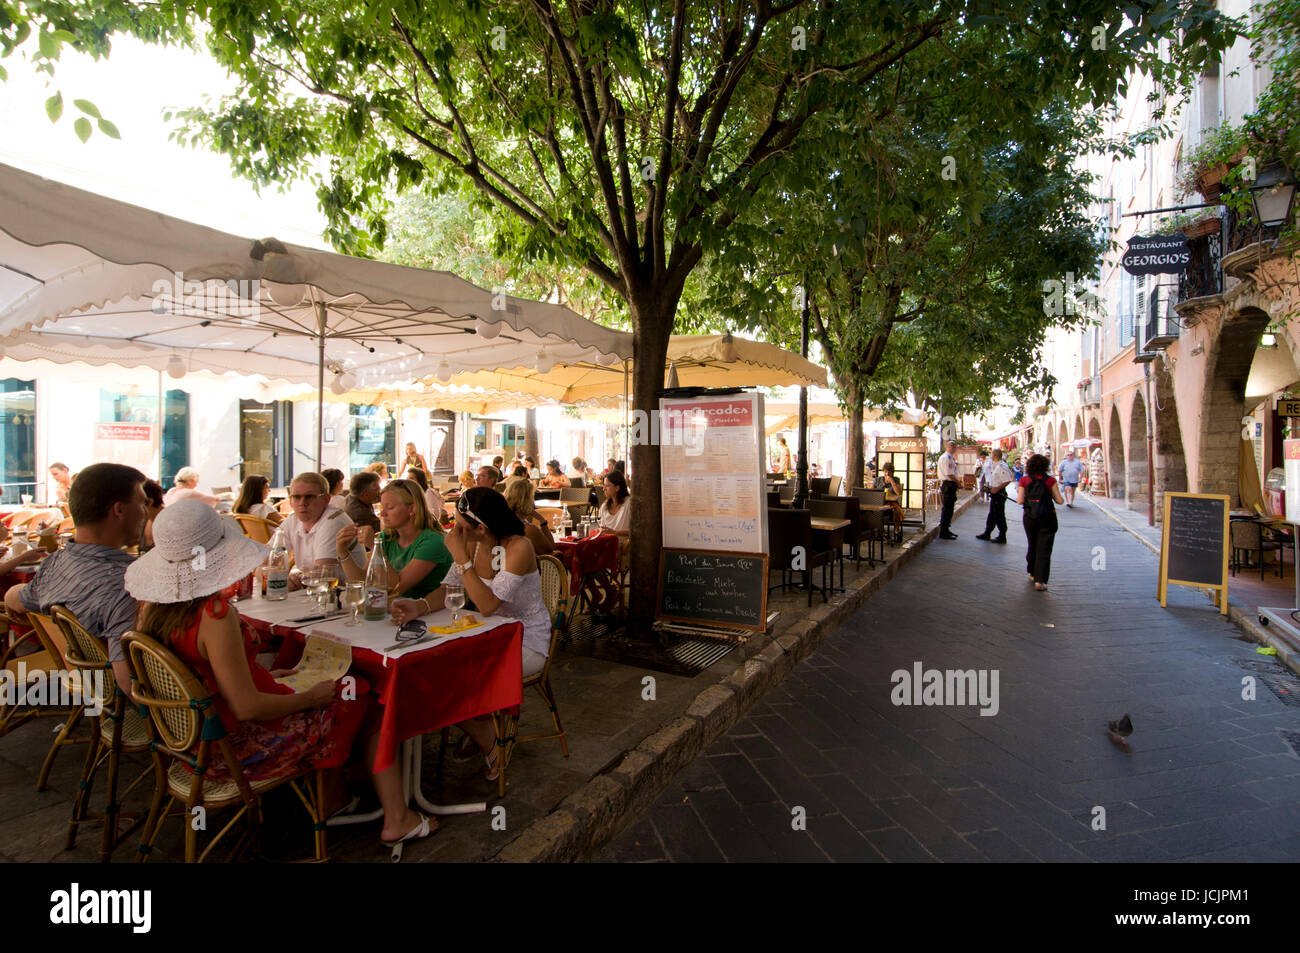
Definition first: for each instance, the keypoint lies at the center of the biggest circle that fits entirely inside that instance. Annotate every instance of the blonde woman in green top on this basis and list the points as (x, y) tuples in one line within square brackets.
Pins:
[(413, 544)]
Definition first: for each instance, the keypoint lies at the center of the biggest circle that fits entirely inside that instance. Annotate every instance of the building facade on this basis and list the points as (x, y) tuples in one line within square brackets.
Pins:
[(1179, 375)]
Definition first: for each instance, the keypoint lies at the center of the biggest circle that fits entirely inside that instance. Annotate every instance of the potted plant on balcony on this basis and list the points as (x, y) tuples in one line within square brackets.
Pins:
[(1197, 223), (1206, 166)]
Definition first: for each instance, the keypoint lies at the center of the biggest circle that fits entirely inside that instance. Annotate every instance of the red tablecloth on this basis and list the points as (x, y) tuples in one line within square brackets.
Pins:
[(424, 691), (582, 556)]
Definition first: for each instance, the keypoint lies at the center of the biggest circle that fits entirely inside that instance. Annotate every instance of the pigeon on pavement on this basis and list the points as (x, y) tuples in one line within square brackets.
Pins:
[(1119, 732)]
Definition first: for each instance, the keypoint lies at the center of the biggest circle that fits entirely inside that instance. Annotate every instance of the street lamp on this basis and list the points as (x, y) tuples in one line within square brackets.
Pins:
[(1272, 195)]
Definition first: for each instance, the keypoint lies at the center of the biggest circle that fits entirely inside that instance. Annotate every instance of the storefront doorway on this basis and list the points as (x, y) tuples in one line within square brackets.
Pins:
[(265, 436)]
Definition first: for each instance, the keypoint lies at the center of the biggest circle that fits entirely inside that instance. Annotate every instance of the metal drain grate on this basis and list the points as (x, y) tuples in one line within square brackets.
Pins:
[(1284, 686), (1292, 738), (699, 654)]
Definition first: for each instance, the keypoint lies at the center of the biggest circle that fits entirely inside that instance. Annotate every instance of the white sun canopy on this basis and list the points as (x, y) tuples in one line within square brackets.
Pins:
[(87, 278)]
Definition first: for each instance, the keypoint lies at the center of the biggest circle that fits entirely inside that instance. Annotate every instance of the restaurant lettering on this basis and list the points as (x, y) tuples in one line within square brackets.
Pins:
[(1157, 255)]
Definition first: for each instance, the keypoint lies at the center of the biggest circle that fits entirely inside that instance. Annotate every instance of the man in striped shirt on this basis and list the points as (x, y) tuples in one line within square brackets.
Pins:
[(108, 505)]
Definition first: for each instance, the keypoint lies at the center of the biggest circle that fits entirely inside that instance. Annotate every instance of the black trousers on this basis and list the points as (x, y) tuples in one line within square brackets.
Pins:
[(997, 515), (1041, 534), (949, 490)]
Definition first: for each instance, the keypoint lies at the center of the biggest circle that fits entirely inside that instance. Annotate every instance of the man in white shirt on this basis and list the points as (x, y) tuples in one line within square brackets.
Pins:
[(948, 483), (997, 477), (311, 531)]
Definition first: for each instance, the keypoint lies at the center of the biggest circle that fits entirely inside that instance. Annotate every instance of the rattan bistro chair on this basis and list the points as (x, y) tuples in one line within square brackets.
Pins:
[(51, 660), (118, 729), (555, 592), (1248, 537), (791, 544), (256, 528), (48, 657), (186, 729)]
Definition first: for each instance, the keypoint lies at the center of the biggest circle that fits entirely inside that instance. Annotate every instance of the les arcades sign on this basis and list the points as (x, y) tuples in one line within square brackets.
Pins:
[(1157, 255)]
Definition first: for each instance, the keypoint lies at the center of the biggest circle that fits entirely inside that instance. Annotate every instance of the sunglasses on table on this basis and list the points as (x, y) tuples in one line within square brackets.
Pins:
[(412, 631)]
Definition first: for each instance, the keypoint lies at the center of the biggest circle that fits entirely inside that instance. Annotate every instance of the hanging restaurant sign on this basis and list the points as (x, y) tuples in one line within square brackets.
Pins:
[(1157, 255)]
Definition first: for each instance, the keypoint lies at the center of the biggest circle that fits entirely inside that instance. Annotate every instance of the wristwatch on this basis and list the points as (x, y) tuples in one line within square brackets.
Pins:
[(466, 566)]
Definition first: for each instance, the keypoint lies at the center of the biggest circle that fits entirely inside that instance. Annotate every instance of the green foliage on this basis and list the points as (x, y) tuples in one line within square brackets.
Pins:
[(1223, 146)]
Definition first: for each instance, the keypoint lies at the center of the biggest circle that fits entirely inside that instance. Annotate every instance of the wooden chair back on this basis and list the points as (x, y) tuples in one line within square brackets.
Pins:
[(834, 488), (255, 527)]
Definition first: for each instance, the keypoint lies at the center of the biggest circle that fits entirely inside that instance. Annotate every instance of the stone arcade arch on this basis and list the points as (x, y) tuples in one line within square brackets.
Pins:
[(1170, 462), (1115, 456), (1063, 437), (1227, 367), (1078, 427), (1137, 453)]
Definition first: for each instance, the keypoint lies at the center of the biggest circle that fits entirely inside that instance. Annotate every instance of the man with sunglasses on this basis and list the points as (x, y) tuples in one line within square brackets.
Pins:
[(310, 532)]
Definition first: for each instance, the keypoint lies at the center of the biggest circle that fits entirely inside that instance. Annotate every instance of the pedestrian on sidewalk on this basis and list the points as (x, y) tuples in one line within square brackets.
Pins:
[(981, 488), (997, 477), (948, 483), (1071, 470), (1037, 491)]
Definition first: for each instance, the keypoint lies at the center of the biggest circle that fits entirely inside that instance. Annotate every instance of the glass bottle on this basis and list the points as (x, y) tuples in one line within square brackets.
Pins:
[(277, 569), (377, 583)]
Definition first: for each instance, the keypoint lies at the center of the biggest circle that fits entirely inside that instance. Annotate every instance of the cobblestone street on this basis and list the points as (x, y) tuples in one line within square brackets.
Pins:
[(1210, 776)]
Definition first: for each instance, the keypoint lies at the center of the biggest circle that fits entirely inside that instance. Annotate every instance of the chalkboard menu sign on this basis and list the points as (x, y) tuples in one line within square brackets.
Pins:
[(1194, 545), (713, 588)]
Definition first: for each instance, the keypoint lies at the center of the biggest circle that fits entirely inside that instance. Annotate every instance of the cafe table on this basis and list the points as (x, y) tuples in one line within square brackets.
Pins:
[(422, 687), (587, 557), (831, 532)]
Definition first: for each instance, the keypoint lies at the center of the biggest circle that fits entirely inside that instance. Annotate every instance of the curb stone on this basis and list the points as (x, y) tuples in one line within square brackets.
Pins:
[(1243, 615), (596, 812)]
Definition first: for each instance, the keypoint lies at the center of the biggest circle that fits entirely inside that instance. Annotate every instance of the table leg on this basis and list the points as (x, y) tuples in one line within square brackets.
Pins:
[(409, 757)]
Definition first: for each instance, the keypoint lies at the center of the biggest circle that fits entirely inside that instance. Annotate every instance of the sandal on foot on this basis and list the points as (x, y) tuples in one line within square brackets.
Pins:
[(464, 750), (418, 832), (493, 770)]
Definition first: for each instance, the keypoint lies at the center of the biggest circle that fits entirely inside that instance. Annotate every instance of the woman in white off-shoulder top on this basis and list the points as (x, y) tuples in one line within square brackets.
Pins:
[(484, 522)]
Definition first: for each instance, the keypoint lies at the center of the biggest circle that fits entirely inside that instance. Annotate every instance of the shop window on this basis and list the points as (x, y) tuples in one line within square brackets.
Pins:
[(373, 438), (127, 408), (18, 439)]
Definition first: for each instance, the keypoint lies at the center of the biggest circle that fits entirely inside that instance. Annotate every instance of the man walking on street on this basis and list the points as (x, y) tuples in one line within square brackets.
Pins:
[(948, 487), (1071, 470), (997, 477)]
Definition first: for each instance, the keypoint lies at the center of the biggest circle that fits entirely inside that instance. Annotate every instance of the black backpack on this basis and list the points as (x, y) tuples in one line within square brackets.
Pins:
[(1038, 499)]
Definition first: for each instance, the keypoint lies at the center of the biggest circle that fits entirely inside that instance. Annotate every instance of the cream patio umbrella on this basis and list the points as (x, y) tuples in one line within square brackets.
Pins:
[(87, 278), (785, 416), (701, 360)]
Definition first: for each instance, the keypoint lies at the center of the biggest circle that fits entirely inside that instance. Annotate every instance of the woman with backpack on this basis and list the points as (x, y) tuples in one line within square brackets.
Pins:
[(1036, 493)]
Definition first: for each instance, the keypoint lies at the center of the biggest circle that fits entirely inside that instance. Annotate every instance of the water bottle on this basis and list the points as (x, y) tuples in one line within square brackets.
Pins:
[(377, 583), (277, 569)]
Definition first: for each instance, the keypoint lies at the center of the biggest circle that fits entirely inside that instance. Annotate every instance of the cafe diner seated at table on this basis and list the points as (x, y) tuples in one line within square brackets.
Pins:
[(272, 729)]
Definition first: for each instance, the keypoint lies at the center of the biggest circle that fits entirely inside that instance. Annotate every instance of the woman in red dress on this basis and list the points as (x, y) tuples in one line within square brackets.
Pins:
[(273, 730)]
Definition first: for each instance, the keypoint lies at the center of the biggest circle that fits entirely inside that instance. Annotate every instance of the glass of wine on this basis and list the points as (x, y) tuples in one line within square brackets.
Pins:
[(332, 572), (455, 601), (354, 597), (311, 582)]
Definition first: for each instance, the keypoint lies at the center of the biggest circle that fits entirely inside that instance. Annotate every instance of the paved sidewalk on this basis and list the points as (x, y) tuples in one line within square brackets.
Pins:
[(1210, 776)]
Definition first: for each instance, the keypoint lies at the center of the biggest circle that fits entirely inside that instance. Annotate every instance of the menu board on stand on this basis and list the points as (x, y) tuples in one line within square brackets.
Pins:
[(713, 494)]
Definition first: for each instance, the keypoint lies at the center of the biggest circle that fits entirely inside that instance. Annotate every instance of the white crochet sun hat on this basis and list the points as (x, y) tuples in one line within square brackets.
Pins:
[(197, 552)]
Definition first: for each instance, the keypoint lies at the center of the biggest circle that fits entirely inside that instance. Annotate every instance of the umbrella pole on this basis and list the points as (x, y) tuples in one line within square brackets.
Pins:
[(627, 419), (320, 384)]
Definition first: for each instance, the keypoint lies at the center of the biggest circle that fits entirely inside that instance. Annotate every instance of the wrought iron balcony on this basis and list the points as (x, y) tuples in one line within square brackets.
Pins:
[(1090, 390), (1204, 276)]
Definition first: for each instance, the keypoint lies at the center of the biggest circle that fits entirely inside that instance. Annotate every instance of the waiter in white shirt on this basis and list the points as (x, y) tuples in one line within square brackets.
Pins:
[(997, 476), (948, 487)]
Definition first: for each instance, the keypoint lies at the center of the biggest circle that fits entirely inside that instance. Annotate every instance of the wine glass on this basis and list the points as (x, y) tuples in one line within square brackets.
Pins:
[(332, 572), (311, 579), (455, 601), (355, 597)]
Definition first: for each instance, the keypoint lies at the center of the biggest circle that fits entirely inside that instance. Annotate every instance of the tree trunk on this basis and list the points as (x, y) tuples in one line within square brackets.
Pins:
[(854, 464), (652, 314), (531, 443)]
